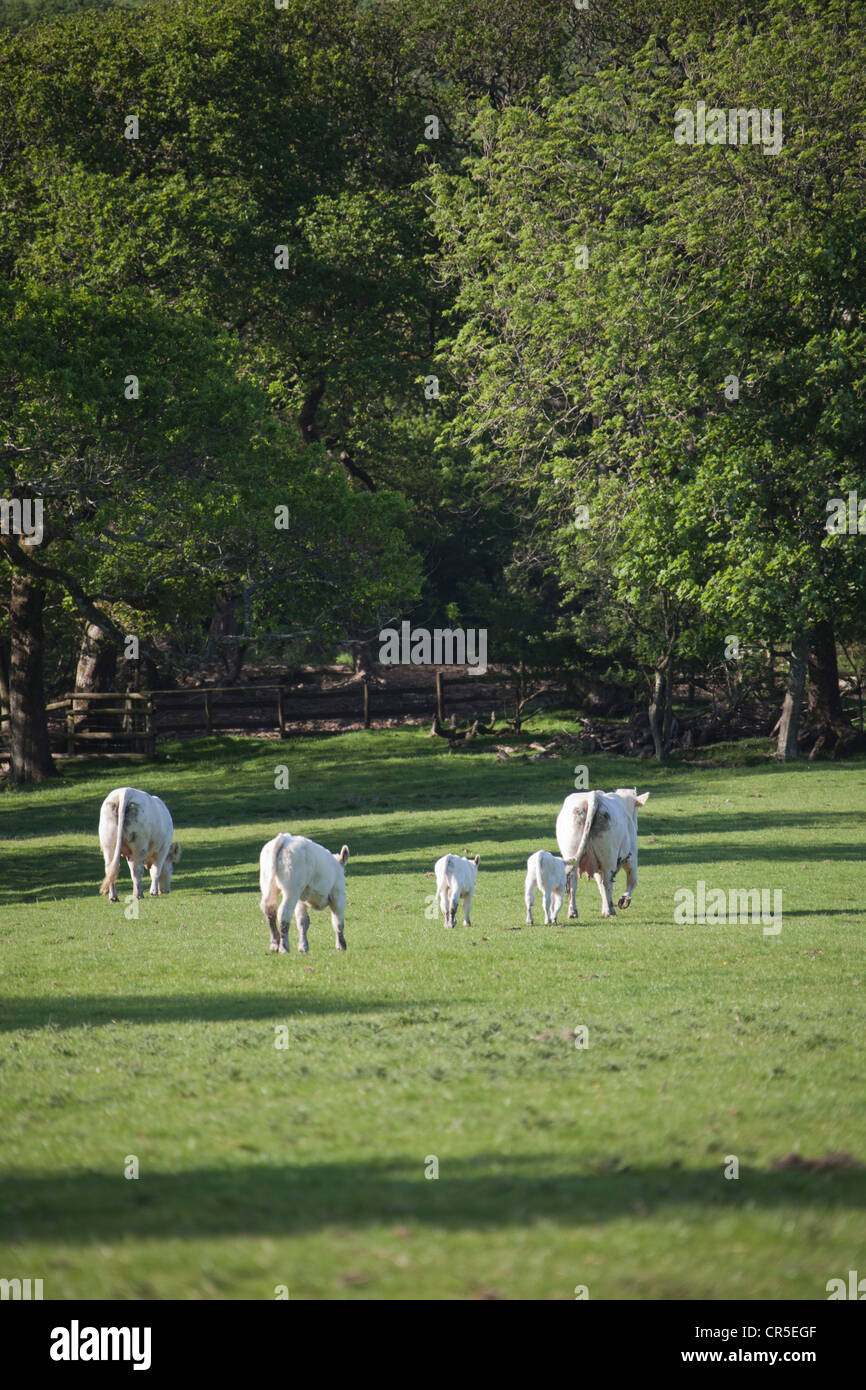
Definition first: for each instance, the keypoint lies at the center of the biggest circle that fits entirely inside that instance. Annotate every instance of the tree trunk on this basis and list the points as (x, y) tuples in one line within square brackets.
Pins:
[(4, 679), (824, 697), (224, 623), (788, 746), (31, 754), (97, 662), (363, 658), (656, 713), (668, 720)]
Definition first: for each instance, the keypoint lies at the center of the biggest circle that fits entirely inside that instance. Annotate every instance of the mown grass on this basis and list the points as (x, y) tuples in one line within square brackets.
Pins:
[(305, 1166)]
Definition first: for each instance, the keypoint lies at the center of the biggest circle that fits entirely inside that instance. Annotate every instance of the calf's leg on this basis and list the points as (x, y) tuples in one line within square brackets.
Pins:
[(268, 905), (302, 918), (337, 914), (529, 897), (284, 916)]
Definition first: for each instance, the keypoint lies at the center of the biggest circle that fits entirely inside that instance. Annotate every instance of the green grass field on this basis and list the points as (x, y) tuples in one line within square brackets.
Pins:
[(558, 1167)]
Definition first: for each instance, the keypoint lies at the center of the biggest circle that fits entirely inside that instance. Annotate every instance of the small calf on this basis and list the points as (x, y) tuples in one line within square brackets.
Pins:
[(547, 874), (455, 882), (307, 875)]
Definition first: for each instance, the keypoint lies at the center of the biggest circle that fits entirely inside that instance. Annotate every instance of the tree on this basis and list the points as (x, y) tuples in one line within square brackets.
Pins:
[(612, 283)]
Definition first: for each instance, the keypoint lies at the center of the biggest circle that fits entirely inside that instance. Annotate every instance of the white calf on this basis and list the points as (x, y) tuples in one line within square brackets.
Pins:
[(598, 831), (548, 875), (307, 875), (138, 826), (455, 882)]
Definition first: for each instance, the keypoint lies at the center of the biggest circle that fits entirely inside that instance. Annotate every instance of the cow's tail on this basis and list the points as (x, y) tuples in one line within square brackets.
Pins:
[(111, 870), (268, 871), (591, 808)]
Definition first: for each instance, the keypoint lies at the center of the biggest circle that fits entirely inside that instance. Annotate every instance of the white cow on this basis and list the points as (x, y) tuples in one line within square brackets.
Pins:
[(138, 826), (455, 882), (548, 875), (307, 875), (598, 832)]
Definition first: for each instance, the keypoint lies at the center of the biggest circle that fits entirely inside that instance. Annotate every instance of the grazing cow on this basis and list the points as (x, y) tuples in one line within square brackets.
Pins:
[(548, 875), (598, 832), (138, 826), (307, 875), (455, 882)]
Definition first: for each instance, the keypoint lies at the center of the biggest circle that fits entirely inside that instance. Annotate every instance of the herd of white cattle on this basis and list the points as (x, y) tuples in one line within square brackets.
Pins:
[(596, 833)]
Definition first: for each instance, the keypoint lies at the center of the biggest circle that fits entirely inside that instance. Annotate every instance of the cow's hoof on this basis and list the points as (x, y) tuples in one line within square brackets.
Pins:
[(282, 950), (273, 946), (572, 915), (624, 901), (341, 946)]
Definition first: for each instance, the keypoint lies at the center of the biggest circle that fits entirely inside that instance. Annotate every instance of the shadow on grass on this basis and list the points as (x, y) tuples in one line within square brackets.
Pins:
[(95, 1011), (485, 1191)]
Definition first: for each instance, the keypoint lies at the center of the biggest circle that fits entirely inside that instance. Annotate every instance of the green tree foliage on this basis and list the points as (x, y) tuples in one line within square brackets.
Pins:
[(701, 262)]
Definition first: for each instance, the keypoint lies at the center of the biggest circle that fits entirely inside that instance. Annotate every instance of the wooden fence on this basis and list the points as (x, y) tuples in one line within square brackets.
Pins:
[(127, 725)]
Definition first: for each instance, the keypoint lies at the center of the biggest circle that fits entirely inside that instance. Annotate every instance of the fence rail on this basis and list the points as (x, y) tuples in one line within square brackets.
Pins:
[(83, 724)]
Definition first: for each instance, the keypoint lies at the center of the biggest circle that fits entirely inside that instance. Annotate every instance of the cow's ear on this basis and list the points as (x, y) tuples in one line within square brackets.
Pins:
[(344, 854), (642, 800), (477, 860)]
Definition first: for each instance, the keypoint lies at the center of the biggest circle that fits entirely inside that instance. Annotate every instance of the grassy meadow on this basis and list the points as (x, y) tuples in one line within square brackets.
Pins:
[(303, 1168)]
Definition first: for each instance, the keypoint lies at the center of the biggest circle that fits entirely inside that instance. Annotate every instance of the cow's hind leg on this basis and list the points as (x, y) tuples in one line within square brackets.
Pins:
[(337, 914), (453, 900), (572, 896), (605, 888), (268, 905), (109, 885), (467, 903), (136, 869), (284, 917), (630, 883), (154, 878), (302, 919)]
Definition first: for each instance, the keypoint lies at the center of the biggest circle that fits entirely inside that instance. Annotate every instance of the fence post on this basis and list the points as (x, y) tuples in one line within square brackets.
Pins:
[(440, 699), (149, 730), (70, 729), (366, 705), (281, 714), (208, 712)]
